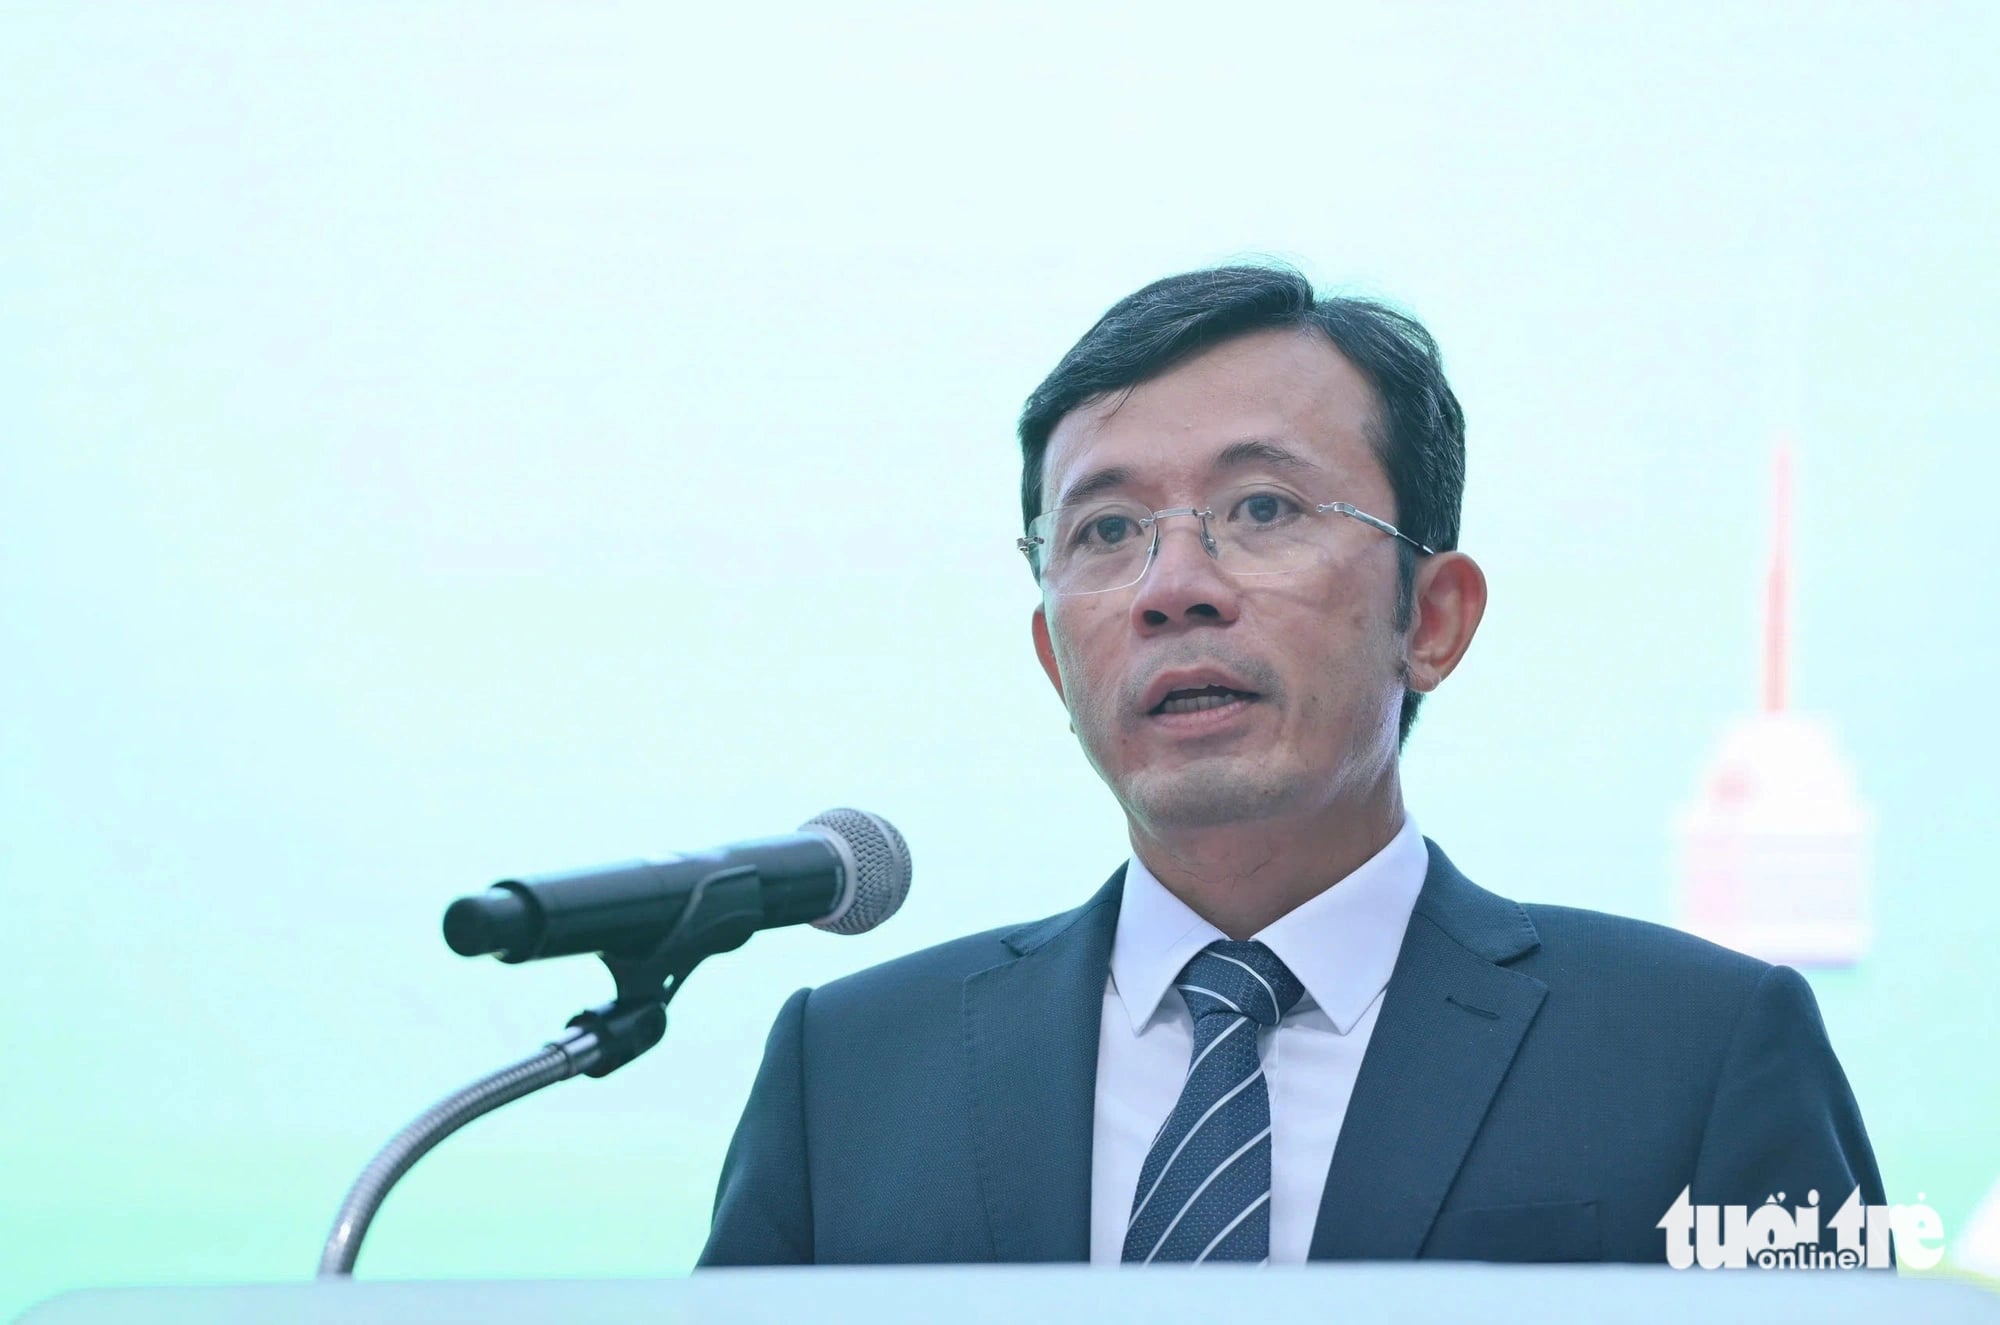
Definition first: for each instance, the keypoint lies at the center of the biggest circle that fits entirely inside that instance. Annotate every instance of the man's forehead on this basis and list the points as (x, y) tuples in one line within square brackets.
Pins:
[(1288, 393)]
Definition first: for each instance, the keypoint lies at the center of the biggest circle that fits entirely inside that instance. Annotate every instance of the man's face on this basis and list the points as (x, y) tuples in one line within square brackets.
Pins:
[(1316, 648)]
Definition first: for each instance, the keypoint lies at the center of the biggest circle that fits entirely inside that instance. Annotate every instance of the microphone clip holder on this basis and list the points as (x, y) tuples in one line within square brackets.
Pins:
[(723, 911)]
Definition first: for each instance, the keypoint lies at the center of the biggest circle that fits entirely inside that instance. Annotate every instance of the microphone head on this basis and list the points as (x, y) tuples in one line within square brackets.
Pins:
[(878, 868)]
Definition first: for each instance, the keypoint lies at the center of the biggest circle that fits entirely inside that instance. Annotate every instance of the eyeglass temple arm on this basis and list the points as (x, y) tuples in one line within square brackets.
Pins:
[(1348, 509)]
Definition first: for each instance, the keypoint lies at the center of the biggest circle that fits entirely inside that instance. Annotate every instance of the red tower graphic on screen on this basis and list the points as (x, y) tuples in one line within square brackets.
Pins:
[(1775, 850)]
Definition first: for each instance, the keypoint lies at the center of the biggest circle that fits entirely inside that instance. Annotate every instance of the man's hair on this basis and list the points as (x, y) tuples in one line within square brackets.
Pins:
[(1418, 432)]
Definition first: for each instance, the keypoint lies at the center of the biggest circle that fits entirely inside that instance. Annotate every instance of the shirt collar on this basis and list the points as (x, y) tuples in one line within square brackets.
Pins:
[(1341, 944)]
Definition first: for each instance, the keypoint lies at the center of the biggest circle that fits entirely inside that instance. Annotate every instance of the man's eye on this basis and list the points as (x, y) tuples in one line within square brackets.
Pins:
[(1106, 530), (1264, 508)]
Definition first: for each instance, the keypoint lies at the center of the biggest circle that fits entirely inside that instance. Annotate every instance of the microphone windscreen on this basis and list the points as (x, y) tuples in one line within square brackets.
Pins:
[(880, 875)]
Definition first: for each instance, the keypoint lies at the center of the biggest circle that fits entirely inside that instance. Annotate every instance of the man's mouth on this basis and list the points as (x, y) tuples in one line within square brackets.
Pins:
[(1199, 698)]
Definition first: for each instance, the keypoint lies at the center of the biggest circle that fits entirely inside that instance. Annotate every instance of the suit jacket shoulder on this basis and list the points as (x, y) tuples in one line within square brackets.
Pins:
[(1662, 976), (1652, 1061)]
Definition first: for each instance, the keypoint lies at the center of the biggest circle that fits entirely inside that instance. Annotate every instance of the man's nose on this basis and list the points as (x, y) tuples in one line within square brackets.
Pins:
[(1183, 583)]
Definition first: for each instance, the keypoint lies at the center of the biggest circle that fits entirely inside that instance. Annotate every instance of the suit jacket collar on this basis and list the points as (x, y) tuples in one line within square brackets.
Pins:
[(1101, 909), (1452, 1019), (1485, 924)]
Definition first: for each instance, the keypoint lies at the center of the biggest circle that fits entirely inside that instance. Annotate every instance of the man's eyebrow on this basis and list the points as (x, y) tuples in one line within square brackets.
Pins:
[(1260, 451), (1237, 455), (1095, 482)]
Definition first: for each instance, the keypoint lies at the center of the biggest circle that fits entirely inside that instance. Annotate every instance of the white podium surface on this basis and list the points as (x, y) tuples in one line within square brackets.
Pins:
[(1052, 1295)]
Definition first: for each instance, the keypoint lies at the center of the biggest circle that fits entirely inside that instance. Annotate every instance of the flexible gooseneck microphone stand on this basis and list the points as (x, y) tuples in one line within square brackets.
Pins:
[(722, 914)]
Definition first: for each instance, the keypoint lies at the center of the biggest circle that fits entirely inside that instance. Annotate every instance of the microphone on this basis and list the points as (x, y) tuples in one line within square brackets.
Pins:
[(845, 871)]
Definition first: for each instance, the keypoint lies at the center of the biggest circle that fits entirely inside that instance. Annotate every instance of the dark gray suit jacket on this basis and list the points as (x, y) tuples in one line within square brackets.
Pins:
[(1541, 1084)]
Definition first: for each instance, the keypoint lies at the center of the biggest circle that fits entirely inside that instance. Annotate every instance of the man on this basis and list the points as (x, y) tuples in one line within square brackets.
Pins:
[(1288, 1028)]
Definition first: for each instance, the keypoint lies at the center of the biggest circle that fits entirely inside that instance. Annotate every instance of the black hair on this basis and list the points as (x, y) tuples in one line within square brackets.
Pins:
[(1419, 433)]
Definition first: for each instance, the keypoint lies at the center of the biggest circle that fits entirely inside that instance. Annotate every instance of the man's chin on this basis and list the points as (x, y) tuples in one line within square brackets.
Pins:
[(1208, 793)]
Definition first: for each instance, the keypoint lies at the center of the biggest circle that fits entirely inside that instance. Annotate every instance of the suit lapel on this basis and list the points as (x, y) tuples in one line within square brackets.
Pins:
[(1451, 1021), (1031, 1027)]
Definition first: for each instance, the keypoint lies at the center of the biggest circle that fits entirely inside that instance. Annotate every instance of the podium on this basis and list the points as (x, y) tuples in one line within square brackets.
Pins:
[(1056, 1295)]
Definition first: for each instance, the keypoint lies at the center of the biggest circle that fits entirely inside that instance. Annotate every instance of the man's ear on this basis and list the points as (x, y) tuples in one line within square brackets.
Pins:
[(1045, 650), (1450, 600)]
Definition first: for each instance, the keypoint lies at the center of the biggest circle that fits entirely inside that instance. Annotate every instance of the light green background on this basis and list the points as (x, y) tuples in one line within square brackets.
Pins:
[(446, 442)]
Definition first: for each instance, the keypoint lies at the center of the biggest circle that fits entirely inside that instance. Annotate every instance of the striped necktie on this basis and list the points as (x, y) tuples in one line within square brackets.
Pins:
[(1204, 1193)]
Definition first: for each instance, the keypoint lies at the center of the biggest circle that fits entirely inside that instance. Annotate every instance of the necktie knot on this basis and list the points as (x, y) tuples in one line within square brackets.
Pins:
[(1239, 980)]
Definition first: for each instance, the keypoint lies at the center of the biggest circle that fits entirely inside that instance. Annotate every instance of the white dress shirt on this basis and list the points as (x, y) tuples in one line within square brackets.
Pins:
[(1341, 945)]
